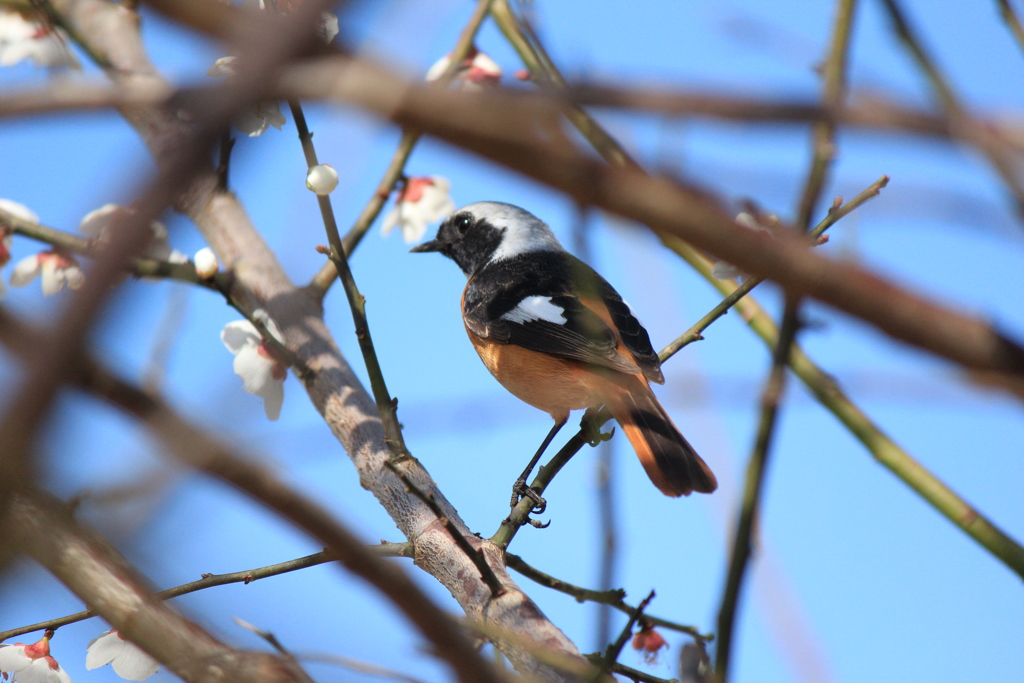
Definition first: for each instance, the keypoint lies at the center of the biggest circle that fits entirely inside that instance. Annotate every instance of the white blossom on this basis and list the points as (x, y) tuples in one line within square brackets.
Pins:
[(57, 271), (23, 38), (128, 660), (206, 263), (262, 375), (260, 116), (476, 72), (423, 200), (31, 663), (322, 179)]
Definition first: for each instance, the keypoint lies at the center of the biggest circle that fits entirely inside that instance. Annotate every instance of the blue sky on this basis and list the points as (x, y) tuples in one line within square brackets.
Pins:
[(855, 578)]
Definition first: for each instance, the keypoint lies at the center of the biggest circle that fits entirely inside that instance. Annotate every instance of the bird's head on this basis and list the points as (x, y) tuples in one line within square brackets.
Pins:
[(484, 232)]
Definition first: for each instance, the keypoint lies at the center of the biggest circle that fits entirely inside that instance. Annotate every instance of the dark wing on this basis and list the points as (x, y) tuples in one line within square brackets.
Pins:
[(633, 334), (583, 336)]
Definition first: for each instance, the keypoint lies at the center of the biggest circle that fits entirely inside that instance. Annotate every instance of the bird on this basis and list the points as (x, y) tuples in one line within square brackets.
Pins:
[(558, 336)]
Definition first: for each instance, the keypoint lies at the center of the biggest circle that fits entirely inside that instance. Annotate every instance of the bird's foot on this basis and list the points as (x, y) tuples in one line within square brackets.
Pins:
[(592, 430), (520, 490)]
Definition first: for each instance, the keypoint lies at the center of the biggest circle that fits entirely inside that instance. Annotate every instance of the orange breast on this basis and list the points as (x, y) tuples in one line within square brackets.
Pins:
[(554, 385)]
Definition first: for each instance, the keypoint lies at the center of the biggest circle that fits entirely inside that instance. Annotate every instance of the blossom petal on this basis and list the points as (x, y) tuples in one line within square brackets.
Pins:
[(26, 270), (19, 210), (273, 397), (102, 649), (390, 220), (255, 369), (74, 277), (438, 68), (13, 658), (251, 122), (134, 664), (268, 322), (238, 335), (53, 278), (39, 671), (271, 111), (96, 222)]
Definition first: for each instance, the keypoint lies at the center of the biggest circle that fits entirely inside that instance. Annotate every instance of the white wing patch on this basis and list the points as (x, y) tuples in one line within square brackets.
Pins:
[(536, 308)]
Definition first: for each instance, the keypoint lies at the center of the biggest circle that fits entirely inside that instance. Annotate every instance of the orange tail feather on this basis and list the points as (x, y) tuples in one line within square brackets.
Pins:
[(670, 461)]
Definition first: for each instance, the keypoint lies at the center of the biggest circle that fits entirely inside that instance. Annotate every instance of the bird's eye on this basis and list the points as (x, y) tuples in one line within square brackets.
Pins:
[(463, 223)]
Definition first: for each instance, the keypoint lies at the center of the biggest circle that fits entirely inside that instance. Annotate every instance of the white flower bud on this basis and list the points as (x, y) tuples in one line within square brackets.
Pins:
[(206, 263), (322, 179)]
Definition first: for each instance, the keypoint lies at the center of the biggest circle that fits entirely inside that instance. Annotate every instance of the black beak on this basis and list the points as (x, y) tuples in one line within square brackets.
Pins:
[(432, 245)]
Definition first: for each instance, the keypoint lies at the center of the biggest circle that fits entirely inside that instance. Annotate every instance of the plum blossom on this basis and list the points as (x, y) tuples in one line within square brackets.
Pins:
[(127, 659), (57, 271), (21, 211), (206, 263), (260, 116), (262, 374), (31, 663), (322, 179), (722, 270), (648, 642), (97, 225), (23, 38), (423, 200), (476, 72)]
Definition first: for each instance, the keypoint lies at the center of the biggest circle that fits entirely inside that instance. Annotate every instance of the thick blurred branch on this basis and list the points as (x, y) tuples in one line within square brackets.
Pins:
[(103, 579)]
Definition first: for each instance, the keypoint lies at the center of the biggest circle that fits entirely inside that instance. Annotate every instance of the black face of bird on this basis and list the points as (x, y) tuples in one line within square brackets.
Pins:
[(466, 239)]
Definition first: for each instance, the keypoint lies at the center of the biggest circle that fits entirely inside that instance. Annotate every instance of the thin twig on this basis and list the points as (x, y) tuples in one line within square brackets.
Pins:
[(325, 277), (611, 654), (212, 580), (612, 598), (387, 407), (474, 554)]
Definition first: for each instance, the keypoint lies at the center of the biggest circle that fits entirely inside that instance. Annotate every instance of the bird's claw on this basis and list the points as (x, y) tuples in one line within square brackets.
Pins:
[(520, 490)]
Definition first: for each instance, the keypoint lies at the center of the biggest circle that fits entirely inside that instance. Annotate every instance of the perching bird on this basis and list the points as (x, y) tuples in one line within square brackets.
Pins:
[(559, 337)]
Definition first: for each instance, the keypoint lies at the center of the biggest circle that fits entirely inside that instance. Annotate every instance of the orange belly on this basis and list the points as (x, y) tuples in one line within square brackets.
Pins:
[(554, 385)]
